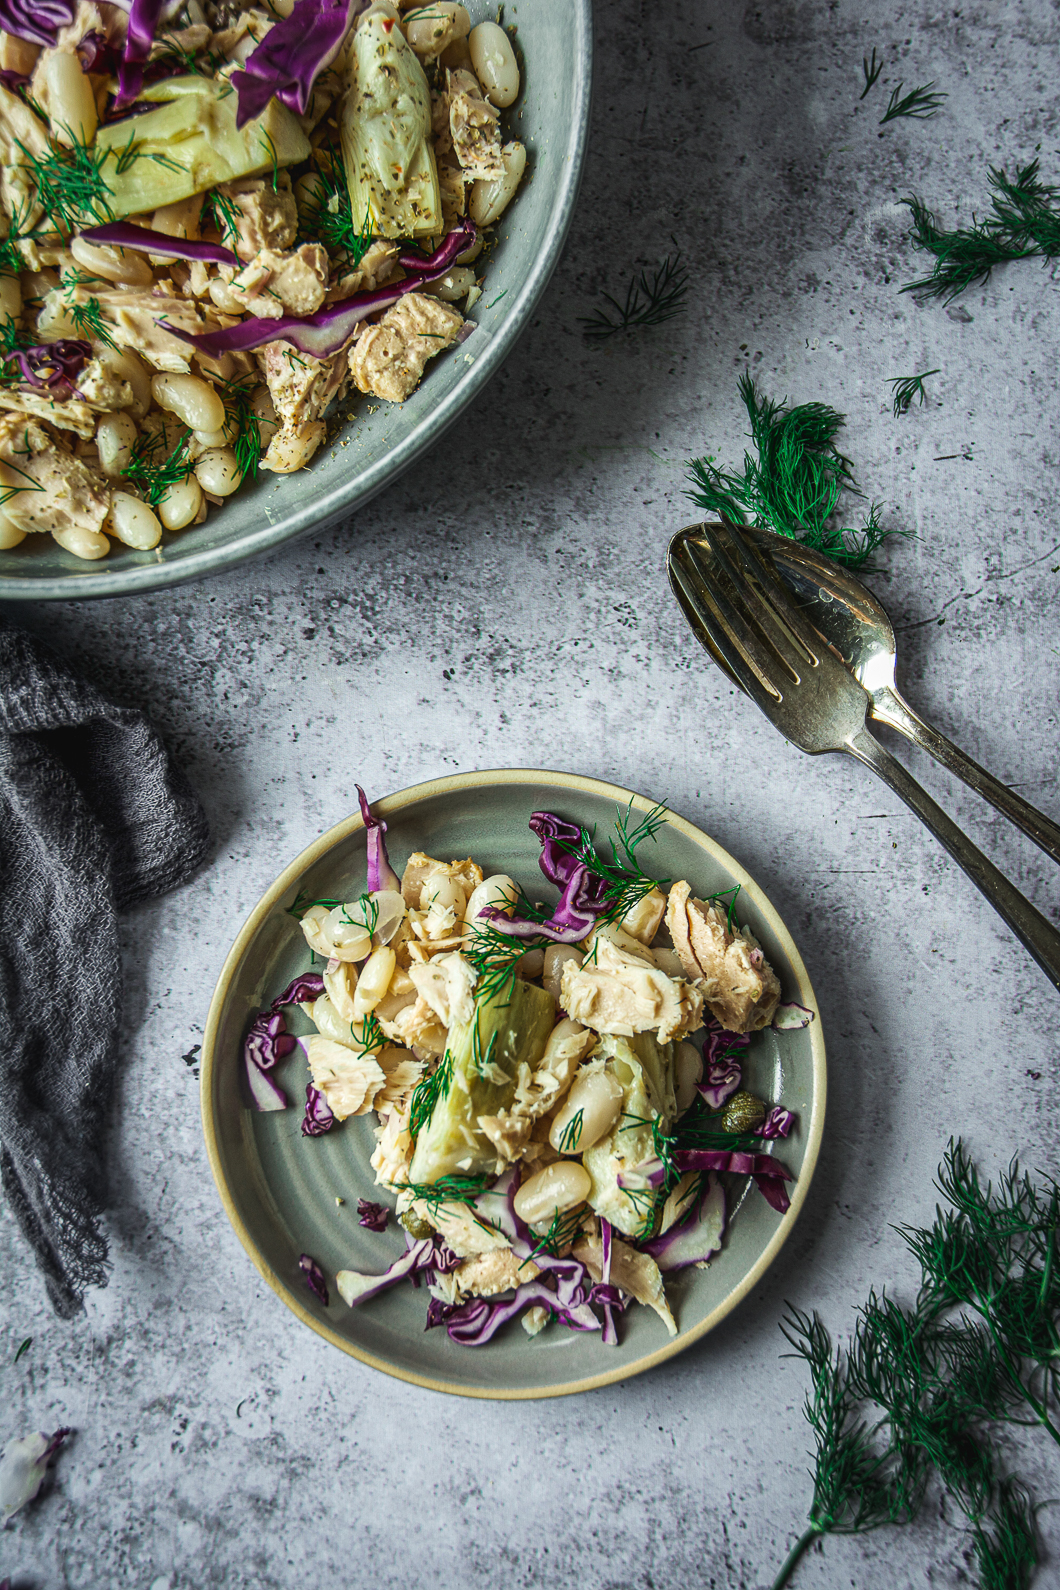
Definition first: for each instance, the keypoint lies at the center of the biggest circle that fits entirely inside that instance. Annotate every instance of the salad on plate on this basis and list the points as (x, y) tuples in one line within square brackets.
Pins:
[(560, 1116), (217, 217)]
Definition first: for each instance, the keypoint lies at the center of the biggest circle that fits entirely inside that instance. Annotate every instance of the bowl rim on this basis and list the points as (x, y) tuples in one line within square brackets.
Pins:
[(346, 496), (390, 806)]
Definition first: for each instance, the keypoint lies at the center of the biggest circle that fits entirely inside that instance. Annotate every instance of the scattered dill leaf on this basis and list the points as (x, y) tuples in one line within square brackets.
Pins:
[(24, 1347), (303, 903), (729, 898), (220, 210), (1023, 221), (872, 70), (88, 318), (155, 474), (328, 219), (795, 482), (571, 1134), (648, 302), (237, 396), (565, 1228), (493, 956), (920, 103), (426, 1094), (626, 883), (906, 388), (449, 1189), (10, 492), (70, 183)]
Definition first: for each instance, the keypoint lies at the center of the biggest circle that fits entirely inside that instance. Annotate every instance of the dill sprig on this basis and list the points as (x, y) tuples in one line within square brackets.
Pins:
[(221, 211), (88, 318), (920, 103), (155, 475), (626, 883), (448, 1189), (369, 1034), (1023, 221), (795, 482), (237, 396), (494, 956), (564, 1230), (872, 70), (980, 1346), (426, 1094), (571, 1134), (728, 897), (70, 183), (648, 302), (9, 492), (329, 218), (905, 388), (304, 902)]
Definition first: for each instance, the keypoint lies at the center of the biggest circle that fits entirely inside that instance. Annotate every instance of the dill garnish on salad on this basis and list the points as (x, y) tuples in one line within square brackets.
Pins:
[(225, 216), (558, 1087)]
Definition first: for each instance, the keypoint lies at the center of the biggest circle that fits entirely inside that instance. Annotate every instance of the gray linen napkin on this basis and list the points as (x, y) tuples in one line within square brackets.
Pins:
[(94, 817)]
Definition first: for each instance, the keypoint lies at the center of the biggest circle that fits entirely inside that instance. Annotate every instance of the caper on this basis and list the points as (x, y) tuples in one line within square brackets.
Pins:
[(743, 1113), (415, 1225)]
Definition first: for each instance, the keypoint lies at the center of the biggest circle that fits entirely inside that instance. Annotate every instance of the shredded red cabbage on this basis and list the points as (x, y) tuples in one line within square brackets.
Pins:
[(143, 23), (314, 1278), (722, 1063), (372, 1216), (475, 1322), (292, 55), (123, 234), (51, 364), (381, 874), (267, 1042), (778, 1123), (96, 53), (306, 987), (12, 81), (575, 914), (329, 329), (318, 1115), (769, 1173), (40, 22), (696, 1235), (556, 862)]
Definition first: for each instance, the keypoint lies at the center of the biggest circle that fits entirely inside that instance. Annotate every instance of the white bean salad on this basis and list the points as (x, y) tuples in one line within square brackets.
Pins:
[(218, 218), (558, 1088)]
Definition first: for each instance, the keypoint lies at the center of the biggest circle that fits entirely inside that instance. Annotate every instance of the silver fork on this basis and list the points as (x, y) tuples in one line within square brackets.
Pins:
[(746, 619)]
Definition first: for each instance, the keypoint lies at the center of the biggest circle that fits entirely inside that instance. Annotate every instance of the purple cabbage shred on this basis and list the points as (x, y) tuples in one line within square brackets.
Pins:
[(314, 1278), (381, 875), (51, 364), (143, 22), (292, 55), (372, 1216), (40, 22), (722, 1064), (123, 234), (318, 1114), (778, 1123), (305, 988)]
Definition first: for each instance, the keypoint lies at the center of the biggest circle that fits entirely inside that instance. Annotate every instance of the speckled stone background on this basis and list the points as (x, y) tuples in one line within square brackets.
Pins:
[(505, 605)]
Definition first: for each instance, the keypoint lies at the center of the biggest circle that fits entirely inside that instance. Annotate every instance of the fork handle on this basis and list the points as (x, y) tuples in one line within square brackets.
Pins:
[(1030, 927), (891, 708)]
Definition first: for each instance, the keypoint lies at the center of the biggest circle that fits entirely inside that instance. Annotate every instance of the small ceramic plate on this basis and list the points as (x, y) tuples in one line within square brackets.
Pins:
[(280, 1188)]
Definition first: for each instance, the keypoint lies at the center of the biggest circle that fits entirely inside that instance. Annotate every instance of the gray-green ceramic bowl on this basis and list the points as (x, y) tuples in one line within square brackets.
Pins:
[(280, 1188), (552, 118)]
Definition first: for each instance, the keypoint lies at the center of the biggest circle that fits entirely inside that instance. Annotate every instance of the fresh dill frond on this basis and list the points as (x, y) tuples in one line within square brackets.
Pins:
[(795, 481), (329, 218), (493, 956), (1023, 222), (220, 210), (368, 1034), (237, 397), (920, 103), (626, 884), (872, 70), (729, 897), (564, 1230), (480, 1058), (571, 1134), (70, 183), (155, 475), (905, 388), (426, 1094), (88, 318), (274, 159), (448, 1189), (647, 303), (9, 492), (303, 903)]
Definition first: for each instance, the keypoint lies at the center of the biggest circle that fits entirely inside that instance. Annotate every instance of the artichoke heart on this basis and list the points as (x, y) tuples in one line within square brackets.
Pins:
[(643, 1069), (191, 143), (386, 124), (486, 1054)]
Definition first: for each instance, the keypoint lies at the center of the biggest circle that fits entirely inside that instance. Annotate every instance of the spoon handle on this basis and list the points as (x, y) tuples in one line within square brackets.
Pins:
[(891, 708), (1030, 927)]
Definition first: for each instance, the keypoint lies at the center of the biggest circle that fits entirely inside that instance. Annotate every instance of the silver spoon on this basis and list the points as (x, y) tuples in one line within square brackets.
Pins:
[(855, 624)]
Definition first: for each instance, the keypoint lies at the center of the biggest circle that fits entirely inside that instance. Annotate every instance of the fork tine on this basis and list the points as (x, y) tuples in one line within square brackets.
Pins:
[(770, 609), (734, 648)]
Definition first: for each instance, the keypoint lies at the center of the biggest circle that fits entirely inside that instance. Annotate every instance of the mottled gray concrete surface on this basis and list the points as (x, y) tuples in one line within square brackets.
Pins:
[(505, 605)]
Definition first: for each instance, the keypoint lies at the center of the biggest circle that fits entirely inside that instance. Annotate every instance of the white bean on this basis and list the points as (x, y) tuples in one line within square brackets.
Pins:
[(499, 891), (128, 366), (374, 981), (556, 1188), (217, 472), (688, 1069), (589, 1111), (494, 61), (133, 522), (556, 957), (350, 940), (433, 28), (180, 504), (489, 200), (453, 285), (341, 986), (10, 534), (82, 542), (10, 298), (68, 99), (530, 965), (192, 400), (644, 918), (222, 438), (115, 439), (120, 265)]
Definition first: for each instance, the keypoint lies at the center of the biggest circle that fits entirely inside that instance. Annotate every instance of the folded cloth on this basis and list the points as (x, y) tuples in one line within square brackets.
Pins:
[(94, 817)]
